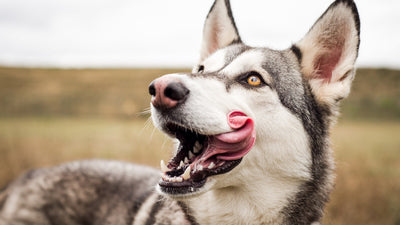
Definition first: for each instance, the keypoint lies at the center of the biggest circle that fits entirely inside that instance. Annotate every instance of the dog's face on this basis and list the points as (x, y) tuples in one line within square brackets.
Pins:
[(262, 131), (245, 113)]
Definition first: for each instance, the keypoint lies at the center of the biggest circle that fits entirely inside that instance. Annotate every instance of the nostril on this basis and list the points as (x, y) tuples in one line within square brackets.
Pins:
[(176, 91), (152, 89)]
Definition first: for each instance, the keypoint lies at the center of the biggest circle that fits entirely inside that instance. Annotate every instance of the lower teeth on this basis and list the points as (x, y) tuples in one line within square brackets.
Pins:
[(181, 178)]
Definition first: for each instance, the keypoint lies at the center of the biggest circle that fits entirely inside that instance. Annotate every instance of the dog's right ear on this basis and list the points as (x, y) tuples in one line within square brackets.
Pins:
[(219, 29)]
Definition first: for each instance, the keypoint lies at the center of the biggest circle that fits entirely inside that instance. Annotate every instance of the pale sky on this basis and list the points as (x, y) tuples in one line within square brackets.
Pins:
[(167, 33)]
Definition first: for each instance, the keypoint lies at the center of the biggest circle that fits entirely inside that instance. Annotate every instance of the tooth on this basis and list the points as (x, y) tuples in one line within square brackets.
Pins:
[(200, 167), (179, 179), (181, 164), (191, 155), (186, 174), (186, 160), (197, 147), (211, 165), (164, 167)]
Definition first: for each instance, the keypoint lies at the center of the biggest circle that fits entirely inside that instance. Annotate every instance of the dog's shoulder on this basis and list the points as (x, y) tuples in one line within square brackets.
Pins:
[(114, 191)]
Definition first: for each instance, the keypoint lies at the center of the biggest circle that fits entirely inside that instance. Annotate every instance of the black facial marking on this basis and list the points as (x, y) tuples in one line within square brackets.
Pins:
[(200, 69), (297, 52)]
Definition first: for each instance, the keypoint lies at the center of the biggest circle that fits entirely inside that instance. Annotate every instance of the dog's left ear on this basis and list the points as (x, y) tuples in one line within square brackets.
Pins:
[(329, 50), (219, 29)]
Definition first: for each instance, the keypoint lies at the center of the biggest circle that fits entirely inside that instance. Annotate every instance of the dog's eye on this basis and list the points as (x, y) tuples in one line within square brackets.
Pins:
[(254, 80), (251, 79)]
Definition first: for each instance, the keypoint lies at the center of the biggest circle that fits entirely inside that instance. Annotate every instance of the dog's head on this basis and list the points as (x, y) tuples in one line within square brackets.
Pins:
[(246, 113)]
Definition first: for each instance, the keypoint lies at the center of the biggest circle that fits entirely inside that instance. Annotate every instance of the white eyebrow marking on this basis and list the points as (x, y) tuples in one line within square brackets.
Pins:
[(215, 62), (251, 60)]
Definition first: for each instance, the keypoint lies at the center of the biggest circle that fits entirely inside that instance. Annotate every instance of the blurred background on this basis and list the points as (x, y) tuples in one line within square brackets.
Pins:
[(74, 77)]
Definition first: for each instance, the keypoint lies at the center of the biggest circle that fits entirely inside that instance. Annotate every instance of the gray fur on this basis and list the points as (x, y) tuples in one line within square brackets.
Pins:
[(85, 192)]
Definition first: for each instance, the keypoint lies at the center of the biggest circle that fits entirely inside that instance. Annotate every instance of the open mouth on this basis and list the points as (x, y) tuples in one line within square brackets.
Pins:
[(200, 156)]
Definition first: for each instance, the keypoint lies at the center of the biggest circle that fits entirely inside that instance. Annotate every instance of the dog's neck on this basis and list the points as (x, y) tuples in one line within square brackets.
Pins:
[(260, 202)]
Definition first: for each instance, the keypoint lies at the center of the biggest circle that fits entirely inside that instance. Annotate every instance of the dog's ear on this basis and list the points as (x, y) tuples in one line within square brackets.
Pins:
[(219, 29), (329, 50)]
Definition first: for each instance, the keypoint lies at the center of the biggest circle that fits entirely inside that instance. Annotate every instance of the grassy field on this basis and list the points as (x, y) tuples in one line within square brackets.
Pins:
[(50, 116), (368, 174)]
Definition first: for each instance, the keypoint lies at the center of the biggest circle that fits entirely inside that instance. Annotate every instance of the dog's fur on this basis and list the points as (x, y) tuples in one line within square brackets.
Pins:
[(285, 178)]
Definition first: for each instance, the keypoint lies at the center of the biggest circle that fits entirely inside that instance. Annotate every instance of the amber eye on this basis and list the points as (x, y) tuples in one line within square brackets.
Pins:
[(254, 80)]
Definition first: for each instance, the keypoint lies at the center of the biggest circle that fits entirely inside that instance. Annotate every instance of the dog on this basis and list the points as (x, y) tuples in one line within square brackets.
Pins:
[(252, 131)]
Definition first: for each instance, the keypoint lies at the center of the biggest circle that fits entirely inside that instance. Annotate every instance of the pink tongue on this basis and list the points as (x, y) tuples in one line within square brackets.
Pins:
[(233, 145)]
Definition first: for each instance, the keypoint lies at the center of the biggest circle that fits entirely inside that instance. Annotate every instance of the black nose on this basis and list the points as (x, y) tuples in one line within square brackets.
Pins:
[(167, 93), (176, 91), (152, 89)]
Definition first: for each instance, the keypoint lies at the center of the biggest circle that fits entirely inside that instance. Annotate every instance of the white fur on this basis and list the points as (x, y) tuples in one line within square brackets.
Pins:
[(215, 62)]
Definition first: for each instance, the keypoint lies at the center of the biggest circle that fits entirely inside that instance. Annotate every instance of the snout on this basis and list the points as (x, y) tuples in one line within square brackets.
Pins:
[(167, 92)]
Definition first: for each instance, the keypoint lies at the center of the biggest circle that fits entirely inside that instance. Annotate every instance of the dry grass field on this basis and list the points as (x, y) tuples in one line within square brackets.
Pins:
[(50, 116)]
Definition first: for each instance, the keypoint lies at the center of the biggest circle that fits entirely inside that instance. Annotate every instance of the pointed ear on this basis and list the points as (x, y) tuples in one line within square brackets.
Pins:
[(329, 51), (219, 29)]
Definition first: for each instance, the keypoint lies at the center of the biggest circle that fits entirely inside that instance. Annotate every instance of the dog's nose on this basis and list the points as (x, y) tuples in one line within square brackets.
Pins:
[(167, 92)]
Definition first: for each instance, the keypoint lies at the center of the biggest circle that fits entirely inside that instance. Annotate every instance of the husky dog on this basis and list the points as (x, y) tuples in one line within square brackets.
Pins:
[(252, 128)]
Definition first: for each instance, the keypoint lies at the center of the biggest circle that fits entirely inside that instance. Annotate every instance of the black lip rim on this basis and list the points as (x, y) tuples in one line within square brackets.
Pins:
[(194, 185)]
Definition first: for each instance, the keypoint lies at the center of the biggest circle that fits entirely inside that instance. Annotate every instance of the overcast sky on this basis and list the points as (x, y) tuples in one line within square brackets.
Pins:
[(167, 33)]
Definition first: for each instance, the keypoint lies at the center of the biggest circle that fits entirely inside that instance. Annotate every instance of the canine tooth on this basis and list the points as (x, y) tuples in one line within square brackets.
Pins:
[(181, 164), (200, 167), (164, 167), (212, 165), (191, 155), (186, 174), (179, 179), (186, 160), (197, 147)]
